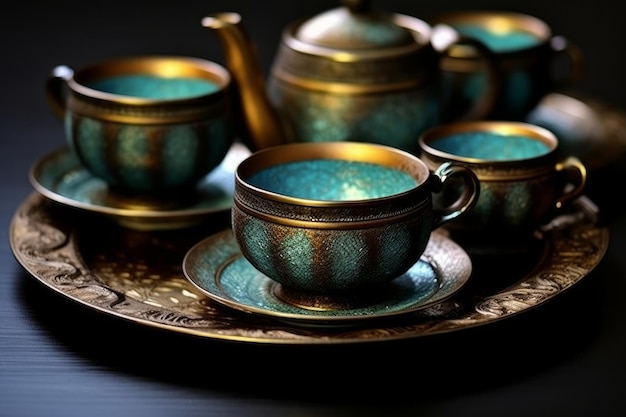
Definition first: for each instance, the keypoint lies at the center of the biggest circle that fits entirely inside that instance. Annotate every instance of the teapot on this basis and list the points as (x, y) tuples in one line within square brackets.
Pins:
[(346, 74)]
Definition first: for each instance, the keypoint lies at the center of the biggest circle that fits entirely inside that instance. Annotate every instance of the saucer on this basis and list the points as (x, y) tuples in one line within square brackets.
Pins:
[(216, 267), (60, 177)]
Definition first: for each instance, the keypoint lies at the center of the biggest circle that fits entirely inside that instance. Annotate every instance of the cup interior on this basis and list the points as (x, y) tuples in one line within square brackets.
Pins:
[(151, 78), (333, 180), (154, 86), (489, 141), (341, 171), (491, 146), (502, 32), (498, 37)]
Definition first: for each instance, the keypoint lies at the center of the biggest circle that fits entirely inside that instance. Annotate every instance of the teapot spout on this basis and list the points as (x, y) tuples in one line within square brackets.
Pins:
[(259, 125)]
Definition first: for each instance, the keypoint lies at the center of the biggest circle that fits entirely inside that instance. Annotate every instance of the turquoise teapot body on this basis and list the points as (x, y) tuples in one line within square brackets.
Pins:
[(347, 74)]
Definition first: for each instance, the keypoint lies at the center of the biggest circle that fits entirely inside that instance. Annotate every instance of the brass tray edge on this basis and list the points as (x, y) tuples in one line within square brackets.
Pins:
[(47, 250)]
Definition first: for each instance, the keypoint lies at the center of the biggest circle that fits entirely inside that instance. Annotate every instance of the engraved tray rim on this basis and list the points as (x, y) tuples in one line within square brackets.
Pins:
[(574, 245)]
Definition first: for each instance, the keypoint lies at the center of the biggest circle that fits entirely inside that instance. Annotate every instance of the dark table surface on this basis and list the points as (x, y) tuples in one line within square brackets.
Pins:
[(58, 357)]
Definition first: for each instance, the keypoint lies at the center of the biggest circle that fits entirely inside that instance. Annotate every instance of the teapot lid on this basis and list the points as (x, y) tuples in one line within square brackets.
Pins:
[(354, 26)]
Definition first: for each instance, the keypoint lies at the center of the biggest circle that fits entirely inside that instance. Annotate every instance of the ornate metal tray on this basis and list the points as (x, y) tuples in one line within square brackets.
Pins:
[(137, 276)]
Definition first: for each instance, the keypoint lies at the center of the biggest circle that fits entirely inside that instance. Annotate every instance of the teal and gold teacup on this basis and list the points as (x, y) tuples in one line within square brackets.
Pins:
[(524, 181), (338, 217), (149, 126), (531, 59)]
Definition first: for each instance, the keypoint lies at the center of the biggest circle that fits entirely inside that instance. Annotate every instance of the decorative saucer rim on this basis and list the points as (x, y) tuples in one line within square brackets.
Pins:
[(236, 151), (448, 282)]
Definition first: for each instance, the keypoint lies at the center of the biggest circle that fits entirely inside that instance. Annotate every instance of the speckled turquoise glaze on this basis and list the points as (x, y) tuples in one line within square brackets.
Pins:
[(521, 90), (216, 266), (523, 179), (240, 280), (499, 40), (149, 158), (393, 118), (149, 126), (524, 53), (492, 146), (224, 273), (339, 216), (333, 260), (153, 87), (333, 180)]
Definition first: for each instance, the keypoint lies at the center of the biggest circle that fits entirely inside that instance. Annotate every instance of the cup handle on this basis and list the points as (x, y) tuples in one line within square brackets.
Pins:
[(576, 175), (56, 89), (445, 38), (564, 47), (467, 197)]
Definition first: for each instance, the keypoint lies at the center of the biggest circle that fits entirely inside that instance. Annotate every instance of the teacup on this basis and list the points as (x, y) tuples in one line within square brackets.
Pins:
[(149, 126), (524, 181), (532, 60), (340, 217)]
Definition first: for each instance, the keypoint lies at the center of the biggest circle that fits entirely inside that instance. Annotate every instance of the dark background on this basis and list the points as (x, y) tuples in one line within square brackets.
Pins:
[(58, 358)]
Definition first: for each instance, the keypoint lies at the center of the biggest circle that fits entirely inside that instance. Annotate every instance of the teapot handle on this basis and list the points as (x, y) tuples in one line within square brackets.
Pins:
[(55, 89), (444, 40)]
